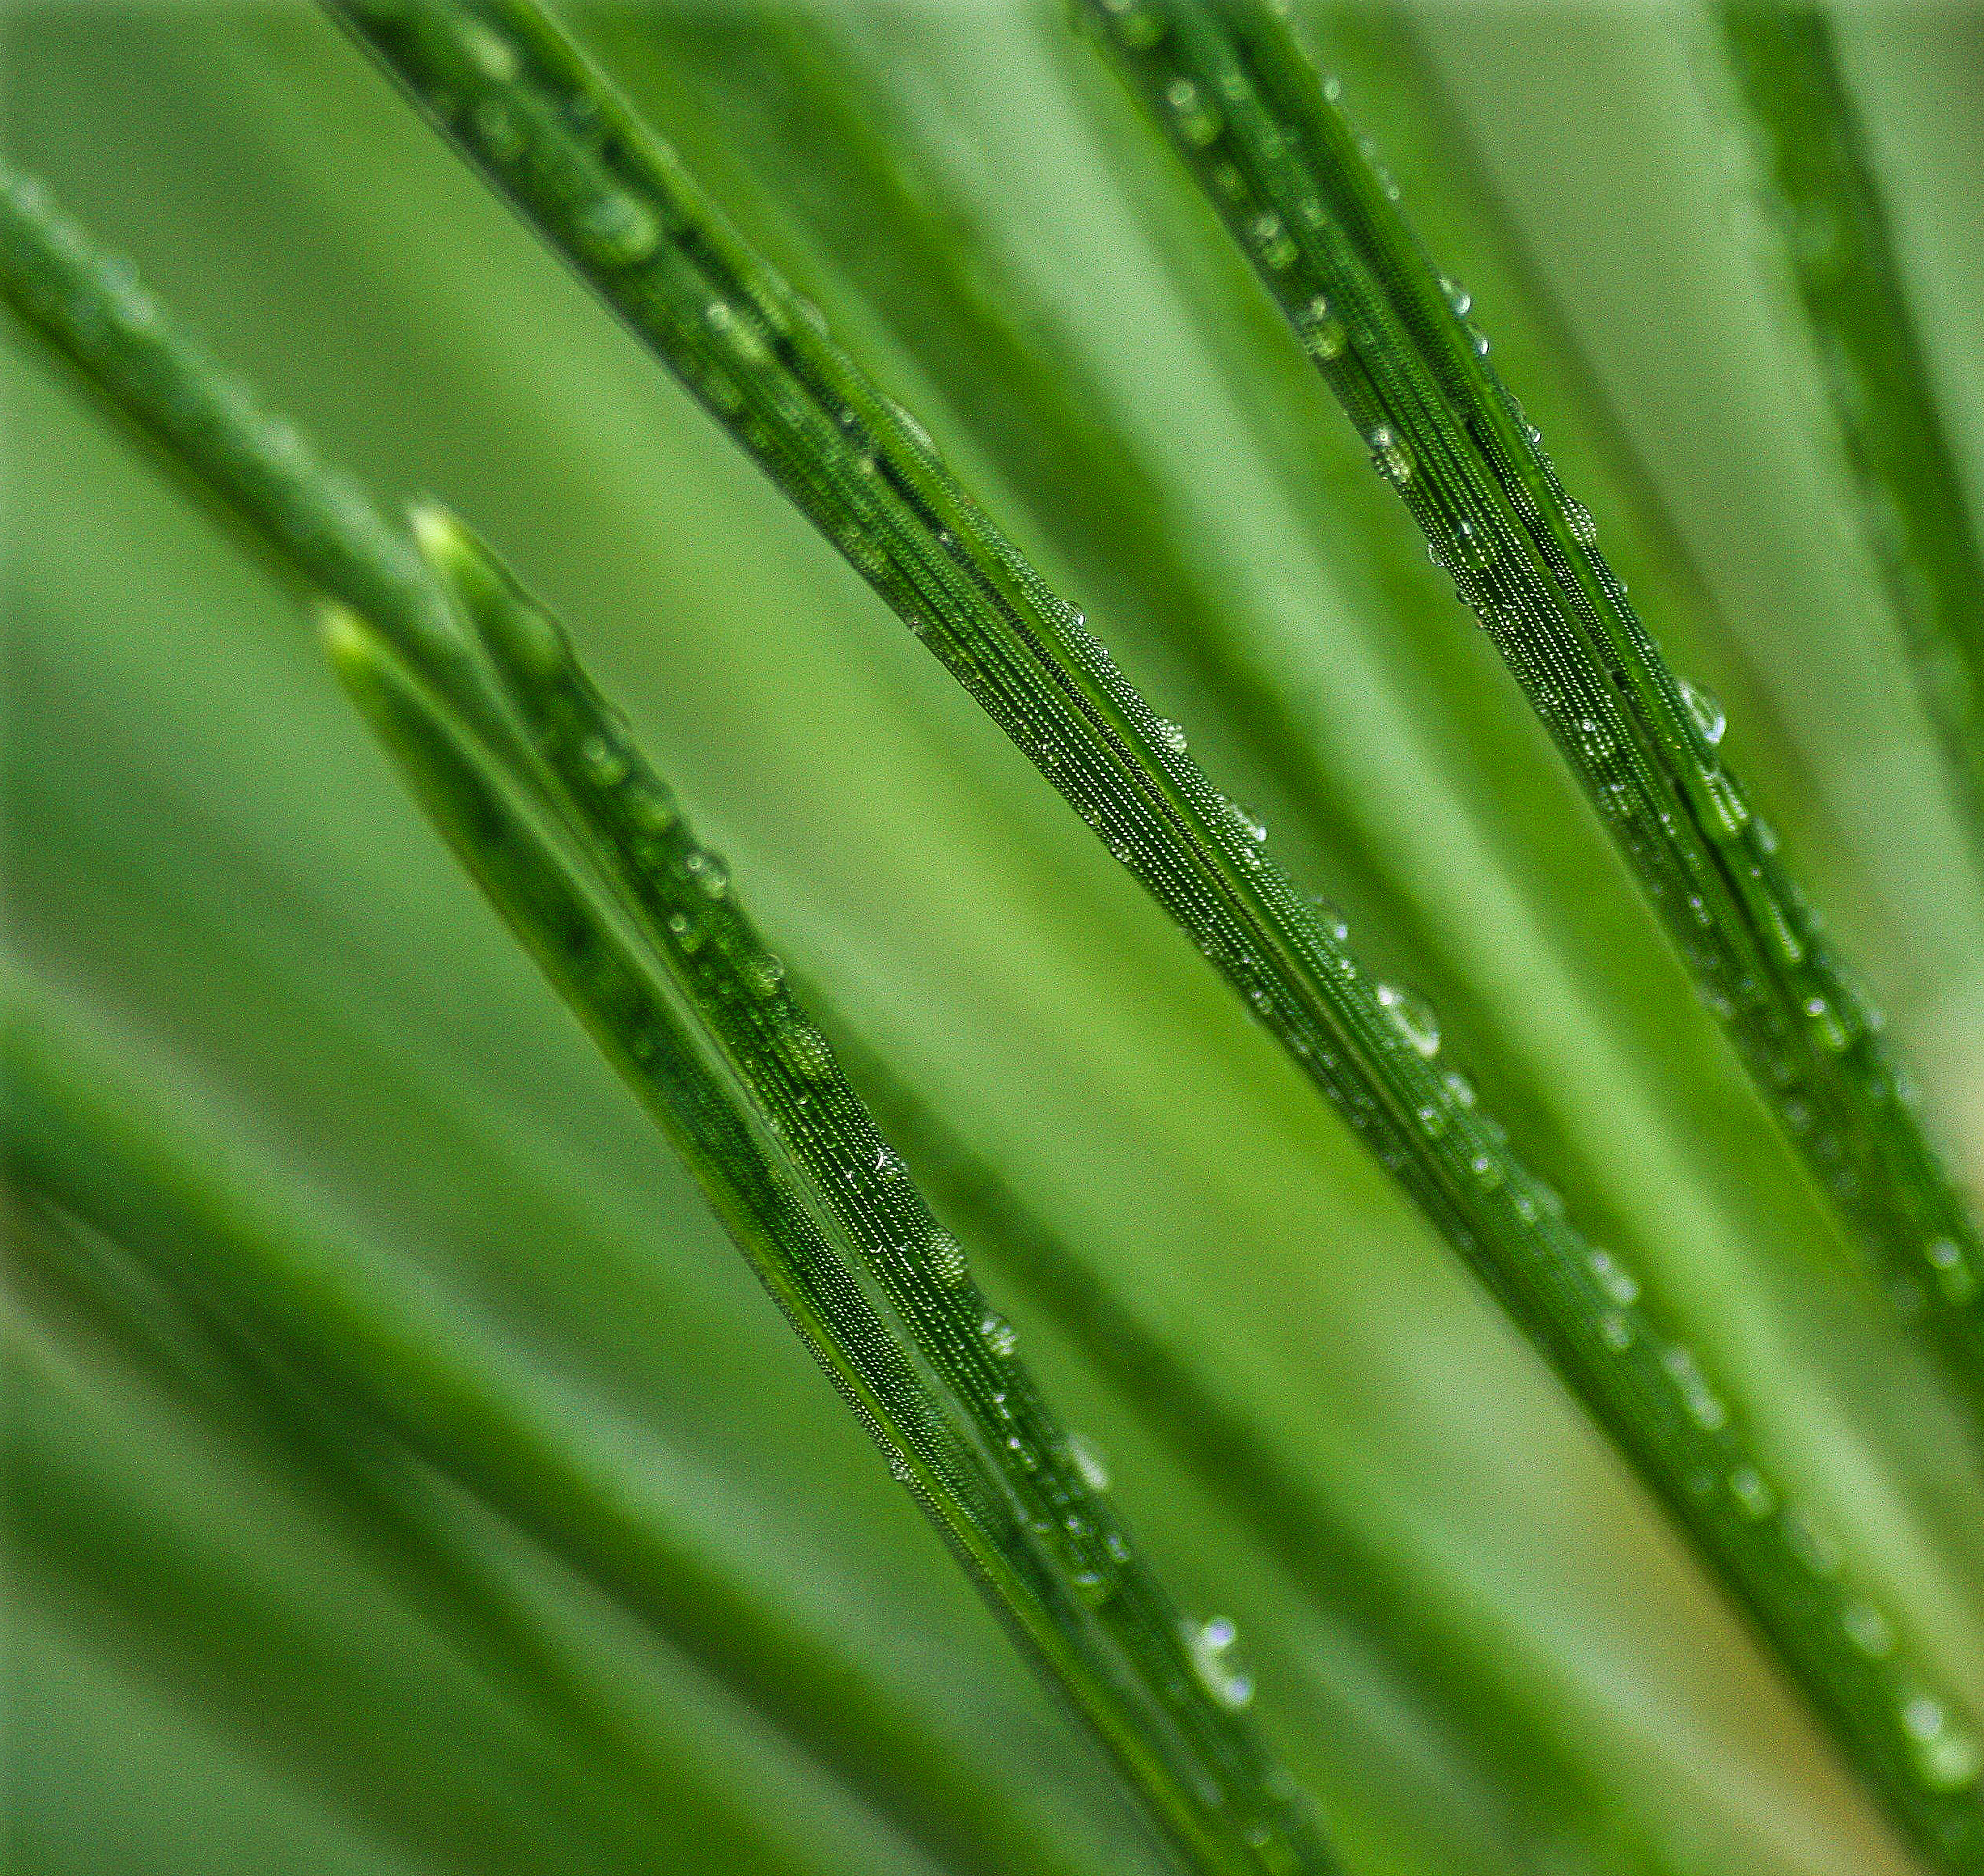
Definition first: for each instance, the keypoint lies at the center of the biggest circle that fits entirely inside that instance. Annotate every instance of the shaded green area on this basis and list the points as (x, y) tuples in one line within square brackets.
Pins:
[(217, 1668)]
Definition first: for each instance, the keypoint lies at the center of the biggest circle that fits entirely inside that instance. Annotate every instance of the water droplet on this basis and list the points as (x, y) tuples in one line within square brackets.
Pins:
[(1947, 1757), (1330, 919), (1729, 813), (1617, 1331), (1457, 297), (1867, 1628), (1137, 26), (1579, 519), (736, 334), (1697, 1398), (1470, 546), (1487, 1170), (617, 230), (1093, 1585), (1272, 242), (1923, 1717), (1460, 1091), (1209, 1645), (1953, 1270), (603, 760), (1001, 1338), (1389, 456), (1170, 736), (1752, 1493), (899, 1469), (1705, 712), (488, 51), (945, 1257), (1089, 1465), (1411, 1017), (1198, 123), (1833, 1024), (1245, 820)]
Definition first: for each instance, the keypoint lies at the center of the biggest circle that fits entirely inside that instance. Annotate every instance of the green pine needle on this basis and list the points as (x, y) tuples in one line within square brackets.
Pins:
[(635, 923), (1819, 193)]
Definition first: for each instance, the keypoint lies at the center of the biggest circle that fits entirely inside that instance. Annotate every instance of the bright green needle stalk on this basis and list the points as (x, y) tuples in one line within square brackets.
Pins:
[(584, 851), (635, 924), (1819, 186), (1263, 134), (522, 102)]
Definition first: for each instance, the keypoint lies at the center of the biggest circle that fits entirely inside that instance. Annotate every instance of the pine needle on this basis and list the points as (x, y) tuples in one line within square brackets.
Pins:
[(1819, 193)]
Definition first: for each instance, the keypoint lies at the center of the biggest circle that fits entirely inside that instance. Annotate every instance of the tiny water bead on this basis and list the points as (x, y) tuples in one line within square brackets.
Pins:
[(1170, 736), (946, 1258), (1389, 456), (493, 56), (1000, 1336), (1413, 1017), (1210, 1644), (1752, 1493), (1330, 919), (686, 933), (1868, 1629), (1698, 1400), (1583, 528), (1617, 1332), (761, 972), (1245, 819), (1954, 1272), (707, 872), (1471, 547), (737, 335), (1704, 712), (618, 231)]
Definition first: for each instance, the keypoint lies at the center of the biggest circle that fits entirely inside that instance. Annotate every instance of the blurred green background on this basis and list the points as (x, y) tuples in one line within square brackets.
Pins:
[(250, 1630)]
